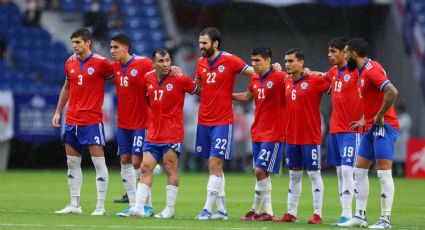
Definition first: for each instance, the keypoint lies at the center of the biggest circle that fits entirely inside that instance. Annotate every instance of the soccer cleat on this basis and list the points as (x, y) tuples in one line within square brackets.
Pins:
[(70, 209), (263, 217), (355, 222), (164, 215), (219, 216), (381, 224), (124, 213), (148, 211), (138, 212), (340, 220), (316, 219), (249, 216), (204, 215), (286, 218), (98, 212), (123, 199)]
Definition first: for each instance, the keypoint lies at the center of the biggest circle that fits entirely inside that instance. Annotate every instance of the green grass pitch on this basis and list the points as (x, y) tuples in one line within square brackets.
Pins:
[(29, 198)]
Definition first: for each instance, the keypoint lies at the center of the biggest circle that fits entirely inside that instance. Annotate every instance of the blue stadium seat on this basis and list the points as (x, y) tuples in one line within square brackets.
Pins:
[(70, 6)]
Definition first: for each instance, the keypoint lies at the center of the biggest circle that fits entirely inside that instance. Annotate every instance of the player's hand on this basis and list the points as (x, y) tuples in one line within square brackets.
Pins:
[(307, 72), (55, 120), (176, 71), (378, 120), (276, 67), (356, 125), (73, 57)]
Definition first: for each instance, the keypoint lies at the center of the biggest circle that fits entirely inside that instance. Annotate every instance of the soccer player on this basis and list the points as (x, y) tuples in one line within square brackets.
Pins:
[(382, 129), (267, 87), (346, 108), (84, 92), (215, 73), (304, 136), (164, 140), (133, 112)]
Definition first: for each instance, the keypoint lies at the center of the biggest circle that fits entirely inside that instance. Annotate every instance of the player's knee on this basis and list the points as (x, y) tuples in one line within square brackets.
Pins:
[(260, 174), (125, 159), (73, 162), (147, 168)]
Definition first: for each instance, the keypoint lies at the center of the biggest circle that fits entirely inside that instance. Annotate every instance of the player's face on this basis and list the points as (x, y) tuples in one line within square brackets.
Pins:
[(351, 62), (336, 56), (206, 46), (162, 64), (118, 50), (293, 65), (80, 46), (261, 65)]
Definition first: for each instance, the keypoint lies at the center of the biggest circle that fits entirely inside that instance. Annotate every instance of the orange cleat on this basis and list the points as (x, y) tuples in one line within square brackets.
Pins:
[(316, 219), (286, 218)]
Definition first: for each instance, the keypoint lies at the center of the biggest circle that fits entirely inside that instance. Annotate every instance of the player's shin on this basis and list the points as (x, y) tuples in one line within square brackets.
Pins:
[(348, 190), (213, 188), (361, 191), (128, 176), (294, 193), (387, 192), (75, 178), (317, 189), (101, 180)]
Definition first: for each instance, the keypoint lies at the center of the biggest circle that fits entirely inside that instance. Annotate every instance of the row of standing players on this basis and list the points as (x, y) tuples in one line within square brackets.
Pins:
[(363, 124)]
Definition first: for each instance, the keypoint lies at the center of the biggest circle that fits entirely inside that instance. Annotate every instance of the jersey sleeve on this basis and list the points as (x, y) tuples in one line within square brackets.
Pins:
[(108, 71), (188, 85), (377, 77), (327, 75), (238, 64), (250, 86), (147, 65), (198, 71), (66, 71), (323, 84)]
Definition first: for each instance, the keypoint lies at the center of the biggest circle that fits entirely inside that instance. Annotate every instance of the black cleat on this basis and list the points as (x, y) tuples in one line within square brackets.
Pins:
[(123, 199)]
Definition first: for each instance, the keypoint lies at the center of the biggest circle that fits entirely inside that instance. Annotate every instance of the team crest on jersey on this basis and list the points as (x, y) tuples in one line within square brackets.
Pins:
[(347, 77), (269, 84), (221, 68), (198, 149), (304, 85), (169, 87), (362, 82), (90, 70), (133, 72)]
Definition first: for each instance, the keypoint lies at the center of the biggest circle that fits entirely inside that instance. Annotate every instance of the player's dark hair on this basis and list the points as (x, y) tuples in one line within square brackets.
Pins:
[(122, 39), (338, 43), (160, 51), (213, 33), (83, 33), (358, 45), (299, 54), (263, 51)]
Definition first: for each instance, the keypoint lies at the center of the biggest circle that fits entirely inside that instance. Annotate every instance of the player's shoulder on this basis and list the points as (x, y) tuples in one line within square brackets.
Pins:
[(279, 74), (333, 69), (150, 74), (99, 57), (142, 59)]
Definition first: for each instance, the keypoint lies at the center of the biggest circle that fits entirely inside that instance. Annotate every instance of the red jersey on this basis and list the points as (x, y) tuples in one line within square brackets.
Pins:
[(166, 99), (218, 78), (87, 89), (372, 81), (133, 110), (269, 95), (303, 109), (346, 101)]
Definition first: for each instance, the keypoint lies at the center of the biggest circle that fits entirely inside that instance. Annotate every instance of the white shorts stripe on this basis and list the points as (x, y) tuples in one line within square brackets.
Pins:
[(102, 138), (229, 140), (273, 158)]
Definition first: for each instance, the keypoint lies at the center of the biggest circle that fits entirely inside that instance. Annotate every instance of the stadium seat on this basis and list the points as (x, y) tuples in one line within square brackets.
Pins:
[(70, 6)]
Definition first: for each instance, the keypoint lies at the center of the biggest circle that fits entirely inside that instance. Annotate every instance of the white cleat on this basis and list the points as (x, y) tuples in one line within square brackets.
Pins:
[(138, 212), (70, 209), (381, 224), (354, 222), (164, 215), (98, 212), (219, 216)]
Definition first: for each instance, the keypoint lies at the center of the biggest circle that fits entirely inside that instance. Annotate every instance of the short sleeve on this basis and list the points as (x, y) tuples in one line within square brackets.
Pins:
[(377, 77), (147, 65), (250, 86), (323, 85), (188, 85), (198, 71), (108, 71), (66, 71), (238, 64)]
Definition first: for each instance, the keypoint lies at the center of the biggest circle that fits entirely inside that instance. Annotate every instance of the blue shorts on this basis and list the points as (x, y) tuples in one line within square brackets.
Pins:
[(303, 156), (130, 141), (343, 148), (79, 136), (158, 150), (267, 156), (214, 141), (378, 143)]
